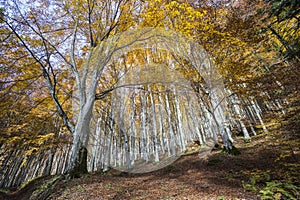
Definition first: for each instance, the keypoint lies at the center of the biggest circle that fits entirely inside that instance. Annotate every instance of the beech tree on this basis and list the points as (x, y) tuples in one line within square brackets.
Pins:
[(62, 38)]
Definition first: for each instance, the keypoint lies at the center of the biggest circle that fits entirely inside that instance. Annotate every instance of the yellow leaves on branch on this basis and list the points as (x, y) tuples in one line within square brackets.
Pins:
[(174, 15), (35, 145)]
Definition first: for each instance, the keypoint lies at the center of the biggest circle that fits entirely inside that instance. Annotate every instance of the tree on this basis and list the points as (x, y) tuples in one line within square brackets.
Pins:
[(23, 97), (62, 40)]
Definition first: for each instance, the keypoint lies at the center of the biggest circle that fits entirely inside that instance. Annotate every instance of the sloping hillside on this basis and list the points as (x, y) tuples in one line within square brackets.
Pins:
[(266, 167)]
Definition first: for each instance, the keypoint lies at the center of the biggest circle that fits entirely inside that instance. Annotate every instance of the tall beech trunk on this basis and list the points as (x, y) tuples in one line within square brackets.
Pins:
[(171, 131), (162, 127), (80, 141), (133, 130), (180, 131), (143, 127), (195, 122), (155, 139)]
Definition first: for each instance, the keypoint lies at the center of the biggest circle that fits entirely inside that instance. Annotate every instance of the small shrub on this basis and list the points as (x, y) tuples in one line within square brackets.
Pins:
[(255, 179), (279, 190)]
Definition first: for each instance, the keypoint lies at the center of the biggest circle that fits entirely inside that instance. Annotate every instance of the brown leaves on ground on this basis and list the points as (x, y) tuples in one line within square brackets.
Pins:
[(213, 176), (272, 156), (190, 177)]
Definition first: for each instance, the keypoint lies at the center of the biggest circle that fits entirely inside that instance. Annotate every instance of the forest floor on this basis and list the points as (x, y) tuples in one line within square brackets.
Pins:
[(208, 175), (268, 167)]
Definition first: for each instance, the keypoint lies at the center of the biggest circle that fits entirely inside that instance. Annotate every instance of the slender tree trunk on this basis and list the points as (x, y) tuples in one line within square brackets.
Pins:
[(155, 145), (161, 125), (179, 121), (195, 122), (143, 127), (132, 135), (259, 116), (171, 131)]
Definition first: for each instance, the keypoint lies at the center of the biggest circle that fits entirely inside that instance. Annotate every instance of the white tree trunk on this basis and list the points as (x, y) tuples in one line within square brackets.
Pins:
[(143, 127), (155, 145), (133, 131), (259, 116), (161, 116), (171, 132), (180, 133)]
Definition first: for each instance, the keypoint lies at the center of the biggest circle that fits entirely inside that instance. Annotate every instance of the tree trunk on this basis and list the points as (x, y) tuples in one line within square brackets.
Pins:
[(81, 137), (179, 121), (171, 131), (161, 117), (143, 127), (81, 166), (155, 145), (132, 133)]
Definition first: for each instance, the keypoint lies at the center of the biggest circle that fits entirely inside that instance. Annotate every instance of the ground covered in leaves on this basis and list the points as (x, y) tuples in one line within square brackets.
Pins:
[(210, 175), (268, 167)]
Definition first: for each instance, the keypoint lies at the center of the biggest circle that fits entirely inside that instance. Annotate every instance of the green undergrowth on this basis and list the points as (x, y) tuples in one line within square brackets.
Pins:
[(263, 183), (280, 190), (282, 182)]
